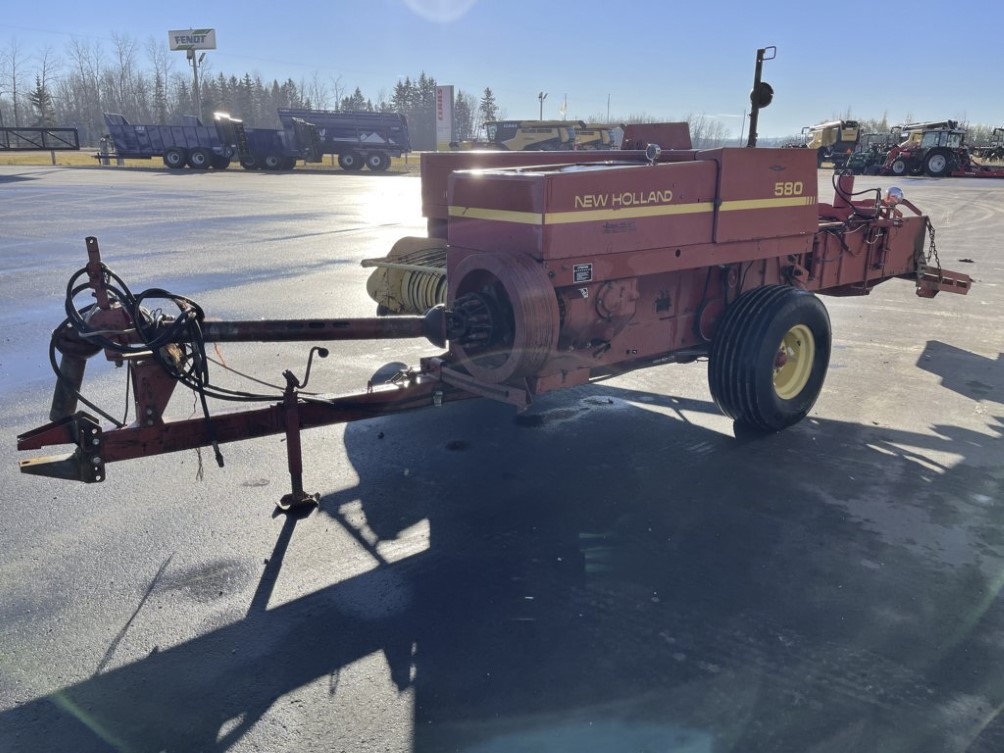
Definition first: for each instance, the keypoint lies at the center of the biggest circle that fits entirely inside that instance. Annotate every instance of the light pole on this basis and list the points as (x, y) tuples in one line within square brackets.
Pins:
[(541, 96)]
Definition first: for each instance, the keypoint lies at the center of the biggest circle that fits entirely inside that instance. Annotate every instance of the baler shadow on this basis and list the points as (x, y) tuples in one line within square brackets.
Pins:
[(608, 575)]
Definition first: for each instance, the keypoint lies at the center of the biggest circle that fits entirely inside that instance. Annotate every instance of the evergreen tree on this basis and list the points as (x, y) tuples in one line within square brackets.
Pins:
[(355, 103), (41, 100), (463, 116), (488, 109)]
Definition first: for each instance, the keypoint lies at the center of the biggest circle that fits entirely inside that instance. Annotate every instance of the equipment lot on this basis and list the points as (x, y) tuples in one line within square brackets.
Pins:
[(611, 571)]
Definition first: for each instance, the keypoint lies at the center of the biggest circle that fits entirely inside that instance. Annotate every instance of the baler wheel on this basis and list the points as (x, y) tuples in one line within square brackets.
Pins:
[(769, 357)]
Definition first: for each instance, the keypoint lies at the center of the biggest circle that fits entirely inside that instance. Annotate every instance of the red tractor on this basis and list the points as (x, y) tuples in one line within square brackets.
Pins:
[(938, 150)]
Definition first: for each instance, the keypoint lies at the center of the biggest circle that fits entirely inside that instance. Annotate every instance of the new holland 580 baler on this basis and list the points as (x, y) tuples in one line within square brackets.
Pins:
[(553, 275)]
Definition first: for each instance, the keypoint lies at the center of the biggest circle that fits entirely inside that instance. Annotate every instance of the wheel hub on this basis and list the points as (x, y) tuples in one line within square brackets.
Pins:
[(793, 361)]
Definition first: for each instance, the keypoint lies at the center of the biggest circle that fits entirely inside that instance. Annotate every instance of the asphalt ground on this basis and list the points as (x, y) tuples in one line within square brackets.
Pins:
[(612, 571)]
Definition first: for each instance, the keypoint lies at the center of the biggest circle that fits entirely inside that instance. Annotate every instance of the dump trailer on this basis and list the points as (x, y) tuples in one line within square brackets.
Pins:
[(556, 275), (192, 144), (359, 139)]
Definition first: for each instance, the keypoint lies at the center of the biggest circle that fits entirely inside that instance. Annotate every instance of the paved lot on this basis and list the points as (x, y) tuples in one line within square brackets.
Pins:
[(612, 572)]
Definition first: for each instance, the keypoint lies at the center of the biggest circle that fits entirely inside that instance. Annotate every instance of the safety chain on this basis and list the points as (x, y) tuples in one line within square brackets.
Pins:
[(932, 250)]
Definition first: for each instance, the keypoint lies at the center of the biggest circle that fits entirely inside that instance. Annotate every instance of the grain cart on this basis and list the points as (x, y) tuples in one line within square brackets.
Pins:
[(556, 275)]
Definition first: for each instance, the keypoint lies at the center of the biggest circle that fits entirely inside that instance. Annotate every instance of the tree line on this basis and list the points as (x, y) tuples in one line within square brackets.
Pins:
[(144, 82), (141, 82)]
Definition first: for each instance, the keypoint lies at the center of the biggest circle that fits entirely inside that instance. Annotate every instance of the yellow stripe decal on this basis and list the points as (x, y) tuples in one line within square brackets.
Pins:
[(784, 201), (524, 218), (626, 213)]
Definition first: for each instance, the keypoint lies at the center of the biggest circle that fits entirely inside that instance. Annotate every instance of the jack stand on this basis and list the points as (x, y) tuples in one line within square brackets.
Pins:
[(297, 498)]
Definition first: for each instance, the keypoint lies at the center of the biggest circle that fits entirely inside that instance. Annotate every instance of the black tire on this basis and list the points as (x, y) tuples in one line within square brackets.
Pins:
[(749, 381), (351, 161), (899, 166), (288, 163), (248, 162), (377, 161), (938, 163), (175, 158), (272, 162), (220, 162), (200, 159)]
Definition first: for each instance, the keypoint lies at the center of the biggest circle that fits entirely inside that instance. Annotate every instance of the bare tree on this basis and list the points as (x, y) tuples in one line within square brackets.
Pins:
[(706, 132), (41, 96), (13, 79), (162, 63), (82, 96), (3, 77), (337, 91), (123, 78), (317, 92)]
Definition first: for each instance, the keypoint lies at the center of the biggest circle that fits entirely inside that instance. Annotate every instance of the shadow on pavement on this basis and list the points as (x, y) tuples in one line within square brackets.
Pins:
[(607, 574)]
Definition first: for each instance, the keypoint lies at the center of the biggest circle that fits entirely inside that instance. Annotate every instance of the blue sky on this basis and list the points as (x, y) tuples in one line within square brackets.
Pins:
[(662, 59)]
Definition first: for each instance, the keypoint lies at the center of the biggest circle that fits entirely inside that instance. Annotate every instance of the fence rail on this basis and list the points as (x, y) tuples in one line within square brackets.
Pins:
[(39, 139)]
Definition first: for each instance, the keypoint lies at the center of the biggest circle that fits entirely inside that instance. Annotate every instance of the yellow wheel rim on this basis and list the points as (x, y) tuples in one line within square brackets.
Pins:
[(793, 361)]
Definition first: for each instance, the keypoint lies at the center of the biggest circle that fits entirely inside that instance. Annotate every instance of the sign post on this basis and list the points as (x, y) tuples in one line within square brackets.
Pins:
[(191, 40)]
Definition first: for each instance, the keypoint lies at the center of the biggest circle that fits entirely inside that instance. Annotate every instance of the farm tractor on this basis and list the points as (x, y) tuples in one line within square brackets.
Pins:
[(540, 272), (994, 151), (938, 150), (870, 154)]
